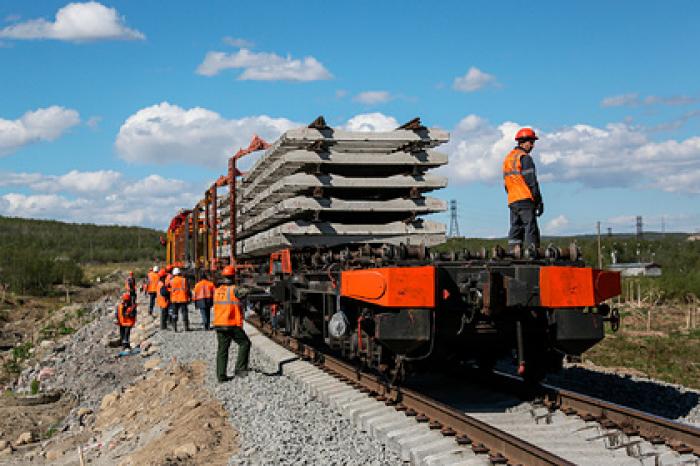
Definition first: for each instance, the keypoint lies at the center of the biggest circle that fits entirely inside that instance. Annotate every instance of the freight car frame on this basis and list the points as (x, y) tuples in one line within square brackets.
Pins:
[(400, 308)]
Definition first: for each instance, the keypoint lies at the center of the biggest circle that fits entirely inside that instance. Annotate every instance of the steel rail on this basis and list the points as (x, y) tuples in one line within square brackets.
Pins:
[(501, 446), (682, 438)]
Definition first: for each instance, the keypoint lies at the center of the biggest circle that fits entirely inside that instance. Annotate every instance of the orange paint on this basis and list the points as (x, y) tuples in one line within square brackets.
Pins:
[(391, 286), (577, 286)]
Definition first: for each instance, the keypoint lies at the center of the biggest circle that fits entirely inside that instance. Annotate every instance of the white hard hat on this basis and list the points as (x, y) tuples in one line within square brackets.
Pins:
[(176, 271), (155, 268)]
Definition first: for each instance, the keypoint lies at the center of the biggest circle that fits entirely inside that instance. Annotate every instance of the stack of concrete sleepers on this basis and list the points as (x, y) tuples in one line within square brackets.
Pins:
[(322, 187)]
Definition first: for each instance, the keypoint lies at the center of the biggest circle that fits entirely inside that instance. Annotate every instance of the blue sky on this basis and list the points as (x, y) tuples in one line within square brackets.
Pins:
[(121, 112)]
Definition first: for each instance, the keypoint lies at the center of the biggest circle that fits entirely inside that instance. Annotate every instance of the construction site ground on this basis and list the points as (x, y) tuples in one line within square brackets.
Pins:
[(147, 408)]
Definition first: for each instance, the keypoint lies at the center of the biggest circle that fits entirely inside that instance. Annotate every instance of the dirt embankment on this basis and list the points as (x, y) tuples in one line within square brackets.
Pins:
[(166, 417), (109, 407)]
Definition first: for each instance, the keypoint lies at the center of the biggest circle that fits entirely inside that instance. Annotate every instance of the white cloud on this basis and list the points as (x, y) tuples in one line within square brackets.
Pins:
[(44, 124), (77, 22), (340, 93), (237, 42), (371, 122), (373, 97), (474, 80), (166, 133), (617, 155), (75, 182), (556, 225), (635, 100), (104, 197), (93, 122), (264, 66)]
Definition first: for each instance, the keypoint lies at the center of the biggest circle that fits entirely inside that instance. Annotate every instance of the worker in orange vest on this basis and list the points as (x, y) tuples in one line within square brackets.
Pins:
[(169, 274), (130, 286), (179, 297), (228, 323), (204, 298), (163, 299), (524, 197), (126, 318), (152, 288)]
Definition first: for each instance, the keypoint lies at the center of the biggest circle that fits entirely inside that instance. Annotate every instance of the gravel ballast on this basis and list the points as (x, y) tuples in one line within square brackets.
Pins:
[(279, 422)]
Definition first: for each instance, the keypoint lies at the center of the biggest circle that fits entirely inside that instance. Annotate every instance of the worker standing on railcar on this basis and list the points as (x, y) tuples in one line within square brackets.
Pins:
[(179, 297), (126, 319), (130, 286), (163, 299), (524, 197), (228, 323), (204, 299), (152, 288)]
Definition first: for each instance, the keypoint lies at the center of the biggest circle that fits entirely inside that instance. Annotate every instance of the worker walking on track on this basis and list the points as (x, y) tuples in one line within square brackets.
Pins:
[(152, 288), (130, 286), (228, 323), (179, 297), (524, 197), (163, 299), (204, 299), (126, 319)]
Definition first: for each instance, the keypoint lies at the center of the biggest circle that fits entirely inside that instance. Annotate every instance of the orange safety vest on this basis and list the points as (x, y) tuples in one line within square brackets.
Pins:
[(513, 178), (152, 284), (162, 301), (227, 308), (204, 289), (130, 285), (126, 315), (179, 293)]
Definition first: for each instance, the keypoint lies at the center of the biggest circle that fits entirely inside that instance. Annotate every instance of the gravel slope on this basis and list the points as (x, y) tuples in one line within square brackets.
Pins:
[(279, 423)]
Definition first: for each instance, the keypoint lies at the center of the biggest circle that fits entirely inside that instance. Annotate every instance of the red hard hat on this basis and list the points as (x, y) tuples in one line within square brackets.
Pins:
[(126, 297), (168, 268), (229, 271), (162, 273), (526, 133), (131, 274)]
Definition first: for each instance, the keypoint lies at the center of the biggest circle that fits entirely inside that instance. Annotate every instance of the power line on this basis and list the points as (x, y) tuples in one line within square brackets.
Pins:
[(454, 224)]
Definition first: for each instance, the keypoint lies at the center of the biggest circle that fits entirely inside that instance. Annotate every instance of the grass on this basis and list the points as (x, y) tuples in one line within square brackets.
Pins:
[(92, 271), (674, 358), (35, 385)]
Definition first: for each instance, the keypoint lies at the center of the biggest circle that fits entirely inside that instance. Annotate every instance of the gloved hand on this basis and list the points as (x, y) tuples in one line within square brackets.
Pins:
[(539, 210)]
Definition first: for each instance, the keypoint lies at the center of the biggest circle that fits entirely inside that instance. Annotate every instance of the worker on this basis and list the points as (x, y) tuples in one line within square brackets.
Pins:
[(169, 273), (524, 197), (179, 298), (163, 299), (228, 323), (126, 318), (130, 286), (152, 288), (204, 299)]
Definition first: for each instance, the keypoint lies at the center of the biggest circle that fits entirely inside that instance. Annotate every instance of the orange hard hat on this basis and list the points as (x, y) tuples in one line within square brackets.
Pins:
[(168, 268), (526, 133), (126, 297), (229, 271), (162, 273), (131, 274)]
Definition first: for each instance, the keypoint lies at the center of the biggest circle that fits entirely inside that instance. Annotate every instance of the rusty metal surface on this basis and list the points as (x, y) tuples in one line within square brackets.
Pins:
[(466, 430), (680, 437)]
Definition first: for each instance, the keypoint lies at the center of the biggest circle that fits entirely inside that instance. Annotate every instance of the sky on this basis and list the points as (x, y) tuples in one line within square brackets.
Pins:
[(123, 112)]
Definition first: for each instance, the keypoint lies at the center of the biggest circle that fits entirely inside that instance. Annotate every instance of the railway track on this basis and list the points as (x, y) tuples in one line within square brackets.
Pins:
[(560, 429)]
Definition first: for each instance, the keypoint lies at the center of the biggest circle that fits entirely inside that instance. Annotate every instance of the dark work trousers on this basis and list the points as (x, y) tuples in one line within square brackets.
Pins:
[(151, 302), (124, 334), (204, 306), (224, 336), (523, 224), (164, 318), (182, 309)]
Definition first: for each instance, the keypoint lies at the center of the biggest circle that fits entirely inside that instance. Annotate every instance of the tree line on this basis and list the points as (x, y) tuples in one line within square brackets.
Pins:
[(36, 255)]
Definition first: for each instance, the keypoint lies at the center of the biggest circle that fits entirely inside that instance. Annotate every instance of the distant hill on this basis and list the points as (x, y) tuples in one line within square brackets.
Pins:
[(36, 254), (678, 257)]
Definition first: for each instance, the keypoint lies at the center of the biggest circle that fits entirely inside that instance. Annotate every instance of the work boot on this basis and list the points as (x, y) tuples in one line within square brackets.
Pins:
[(240, 374), (174, 325), (227, 378)]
